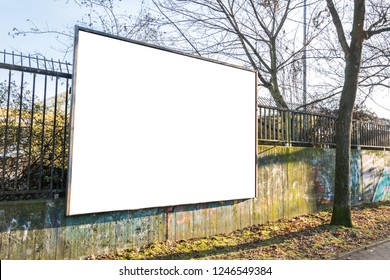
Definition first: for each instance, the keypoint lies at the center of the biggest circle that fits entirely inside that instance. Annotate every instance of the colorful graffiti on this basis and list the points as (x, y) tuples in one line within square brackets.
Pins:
[(375, 174), (382, 190), (323, 188)]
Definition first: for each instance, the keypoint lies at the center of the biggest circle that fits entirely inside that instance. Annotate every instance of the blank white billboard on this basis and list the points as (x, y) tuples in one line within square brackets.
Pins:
[(152, 128)]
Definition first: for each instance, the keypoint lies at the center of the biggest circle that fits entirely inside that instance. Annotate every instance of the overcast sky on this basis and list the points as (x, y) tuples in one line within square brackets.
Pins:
[(58, 15)]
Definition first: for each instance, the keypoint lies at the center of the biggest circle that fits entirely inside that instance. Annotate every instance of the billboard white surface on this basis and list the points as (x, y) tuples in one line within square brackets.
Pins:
[(153, 128)]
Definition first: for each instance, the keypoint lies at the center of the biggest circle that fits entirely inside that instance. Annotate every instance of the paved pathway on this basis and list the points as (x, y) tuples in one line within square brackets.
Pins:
[(376, 251)]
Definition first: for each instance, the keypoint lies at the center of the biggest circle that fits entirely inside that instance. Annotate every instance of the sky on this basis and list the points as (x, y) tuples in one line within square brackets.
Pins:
[(16, 13), (59, 15)]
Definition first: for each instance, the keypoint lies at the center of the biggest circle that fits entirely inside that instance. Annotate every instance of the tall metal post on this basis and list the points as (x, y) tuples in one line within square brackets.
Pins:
[(304, 54)]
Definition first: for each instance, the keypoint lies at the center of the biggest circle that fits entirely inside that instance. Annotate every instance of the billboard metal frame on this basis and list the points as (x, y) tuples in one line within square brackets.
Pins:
[(74, 104)]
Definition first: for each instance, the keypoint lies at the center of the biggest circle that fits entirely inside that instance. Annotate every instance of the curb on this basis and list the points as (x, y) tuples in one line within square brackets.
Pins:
[(343, 256)]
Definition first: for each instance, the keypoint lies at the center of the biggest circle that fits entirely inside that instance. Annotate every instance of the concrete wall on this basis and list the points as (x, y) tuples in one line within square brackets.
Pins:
[(292, 181)]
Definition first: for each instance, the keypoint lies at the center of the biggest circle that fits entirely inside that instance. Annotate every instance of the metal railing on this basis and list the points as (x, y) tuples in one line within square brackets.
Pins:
[(287, 127), (34, 126)]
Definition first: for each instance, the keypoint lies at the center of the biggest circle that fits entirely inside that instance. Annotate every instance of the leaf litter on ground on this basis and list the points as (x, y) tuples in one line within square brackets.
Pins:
[(308, 237)]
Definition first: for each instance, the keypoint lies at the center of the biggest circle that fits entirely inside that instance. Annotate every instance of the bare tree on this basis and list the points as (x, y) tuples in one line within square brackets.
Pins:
[(109, 16), (328, 66), (265, 35), (104, 15), (361, 30)]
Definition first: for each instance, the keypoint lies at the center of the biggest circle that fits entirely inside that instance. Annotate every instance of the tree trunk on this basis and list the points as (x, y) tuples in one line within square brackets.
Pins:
[(276, 95), (274, 85), (342, 194)]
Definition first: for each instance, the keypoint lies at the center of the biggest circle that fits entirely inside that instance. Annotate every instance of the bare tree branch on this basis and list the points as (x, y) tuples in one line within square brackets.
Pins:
[(370, 33), (178, 29), (339, 27)]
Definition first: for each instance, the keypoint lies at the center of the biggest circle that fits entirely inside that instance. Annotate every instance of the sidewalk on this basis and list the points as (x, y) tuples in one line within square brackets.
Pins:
[(376, 251)]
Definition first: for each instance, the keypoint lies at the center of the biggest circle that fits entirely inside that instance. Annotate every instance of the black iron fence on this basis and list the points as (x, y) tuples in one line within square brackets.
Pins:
[(34, 126), (287, 127)]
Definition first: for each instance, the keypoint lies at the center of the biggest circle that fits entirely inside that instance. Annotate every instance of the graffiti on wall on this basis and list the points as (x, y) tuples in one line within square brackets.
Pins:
[(382, 190), (375, 176), (324, 176), (323, 188)]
